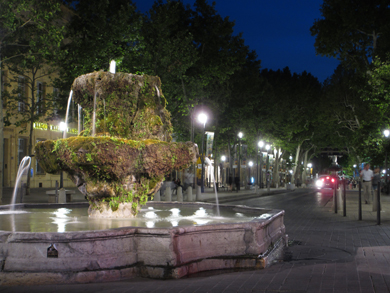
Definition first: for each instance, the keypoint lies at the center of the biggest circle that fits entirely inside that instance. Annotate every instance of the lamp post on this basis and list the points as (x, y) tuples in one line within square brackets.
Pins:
[(250, 164), (267, 148), (240, 135), (386, 133), (202, 118), (223, 159), (260, 145), (63, 129), (310, 165)]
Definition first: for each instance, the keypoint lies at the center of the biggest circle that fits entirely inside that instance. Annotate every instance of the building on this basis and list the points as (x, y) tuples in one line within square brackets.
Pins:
[(16, 143)]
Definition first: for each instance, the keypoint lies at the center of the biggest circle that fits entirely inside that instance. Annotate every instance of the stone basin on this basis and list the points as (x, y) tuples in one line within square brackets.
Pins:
[(126, 252)]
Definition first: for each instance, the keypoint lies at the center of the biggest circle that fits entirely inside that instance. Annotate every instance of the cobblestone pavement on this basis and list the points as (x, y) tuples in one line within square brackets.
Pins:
[(327, 253)]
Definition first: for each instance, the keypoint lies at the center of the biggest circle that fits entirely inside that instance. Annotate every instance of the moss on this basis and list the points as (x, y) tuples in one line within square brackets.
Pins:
[(128, 159)]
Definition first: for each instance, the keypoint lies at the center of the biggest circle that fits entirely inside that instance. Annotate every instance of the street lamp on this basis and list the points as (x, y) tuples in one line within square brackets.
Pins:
[(250, 164), (240, 135), (202, 118), (223, 159), (63, 129), (386, 133), (260, 145)]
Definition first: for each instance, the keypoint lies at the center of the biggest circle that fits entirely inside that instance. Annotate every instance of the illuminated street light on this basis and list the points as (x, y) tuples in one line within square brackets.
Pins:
[(386, 132), (240, 135), (223, 158), (202, 118)]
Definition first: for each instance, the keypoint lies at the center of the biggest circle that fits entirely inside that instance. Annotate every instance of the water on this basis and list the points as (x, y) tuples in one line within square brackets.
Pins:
[(23, 166), (76, 219), (67, 111), (216, 193)]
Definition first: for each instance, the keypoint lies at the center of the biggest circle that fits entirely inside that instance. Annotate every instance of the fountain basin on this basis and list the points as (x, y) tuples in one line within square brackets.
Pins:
[(121, 253)]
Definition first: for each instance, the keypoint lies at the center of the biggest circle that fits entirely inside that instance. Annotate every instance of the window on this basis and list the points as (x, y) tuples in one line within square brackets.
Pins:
[(21, 94), (40, 98), (39, 170), (22, 149)]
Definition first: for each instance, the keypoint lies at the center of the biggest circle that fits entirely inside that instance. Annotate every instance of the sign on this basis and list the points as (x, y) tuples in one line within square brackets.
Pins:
[(52, 251), (41, 126), (234, 166)]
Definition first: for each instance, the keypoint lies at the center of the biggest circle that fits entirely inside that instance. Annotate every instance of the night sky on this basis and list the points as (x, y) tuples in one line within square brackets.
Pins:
[(278, 30)]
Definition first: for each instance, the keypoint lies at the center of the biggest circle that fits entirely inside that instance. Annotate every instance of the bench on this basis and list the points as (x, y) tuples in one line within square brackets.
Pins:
[(52, 195)]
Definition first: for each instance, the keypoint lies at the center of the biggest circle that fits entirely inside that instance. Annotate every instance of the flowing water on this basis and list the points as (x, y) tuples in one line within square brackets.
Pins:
[(23, 167), (67, 112), (216, 193)]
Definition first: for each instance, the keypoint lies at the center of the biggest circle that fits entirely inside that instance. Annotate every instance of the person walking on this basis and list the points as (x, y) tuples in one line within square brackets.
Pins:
[(367, 175)]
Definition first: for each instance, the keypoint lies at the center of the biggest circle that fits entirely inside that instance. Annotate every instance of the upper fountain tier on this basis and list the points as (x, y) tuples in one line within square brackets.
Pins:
[(127, 105)]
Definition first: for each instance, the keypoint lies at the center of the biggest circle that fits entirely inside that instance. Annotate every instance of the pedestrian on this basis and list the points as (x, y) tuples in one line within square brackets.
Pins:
[(376, 179), (366, 175)]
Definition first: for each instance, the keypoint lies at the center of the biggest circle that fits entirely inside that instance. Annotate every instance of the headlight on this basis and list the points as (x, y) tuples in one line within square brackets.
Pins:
[(319, 183)]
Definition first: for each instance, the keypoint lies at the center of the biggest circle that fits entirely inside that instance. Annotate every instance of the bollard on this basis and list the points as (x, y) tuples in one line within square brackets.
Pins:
[(198, 193), (360, 201), (168, 194), (179, 192), (378, 207), (62, 196), (56, 192), (189, 194), (344, 199), (157, 196)]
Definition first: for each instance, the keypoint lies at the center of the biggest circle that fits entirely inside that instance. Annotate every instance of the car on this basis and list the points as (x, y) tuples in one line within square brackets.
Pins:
[(325, 181)]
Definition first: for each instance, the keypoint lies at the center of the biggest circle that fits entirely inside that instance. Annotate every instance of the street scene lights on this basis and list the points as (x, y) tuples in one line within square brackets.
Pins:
[(260, 145), (386, 133), (250, 164), (202, 118), (223, 159), (240, 135)]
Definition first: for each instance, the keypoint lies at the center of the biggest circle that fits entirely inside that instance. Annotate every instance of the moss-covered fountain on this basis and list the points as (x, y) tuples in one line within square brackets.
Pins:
[(125, 149)]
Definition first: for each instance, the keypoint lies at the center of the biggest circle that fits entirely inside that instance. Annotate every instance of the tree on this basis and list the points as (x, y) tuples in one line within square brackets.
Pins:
[(353, 31), (99, 31), (194, 52), (18, 19)]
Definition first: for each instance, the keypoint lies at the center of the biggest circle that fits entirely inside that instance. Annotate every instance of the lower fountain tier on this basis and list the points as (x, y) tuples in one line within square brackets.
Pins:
[(115, 254)]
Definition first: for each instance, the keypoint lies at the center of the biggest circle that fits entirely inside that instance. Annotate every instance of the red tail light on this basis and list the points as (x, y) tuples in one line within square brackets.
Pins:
[(323, 180), (327, 178), (332, 179)]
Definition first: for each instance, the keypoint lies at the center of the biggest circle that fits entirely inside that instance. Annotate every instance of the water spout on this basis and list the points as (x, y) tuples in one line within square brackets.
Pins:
[(79, 108), (112, 66), (67, 111), (216, 193), (24, 165)]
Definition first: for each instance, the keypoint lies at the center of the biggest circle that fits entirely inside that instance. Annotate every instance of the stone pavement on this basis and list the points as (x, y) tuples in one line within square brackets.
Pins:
[(327, 253)]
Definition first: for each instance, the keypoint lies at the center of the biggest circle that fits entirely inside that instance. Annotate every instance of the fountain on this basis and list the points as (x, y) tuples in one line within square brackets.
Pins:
[(122, 235)]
